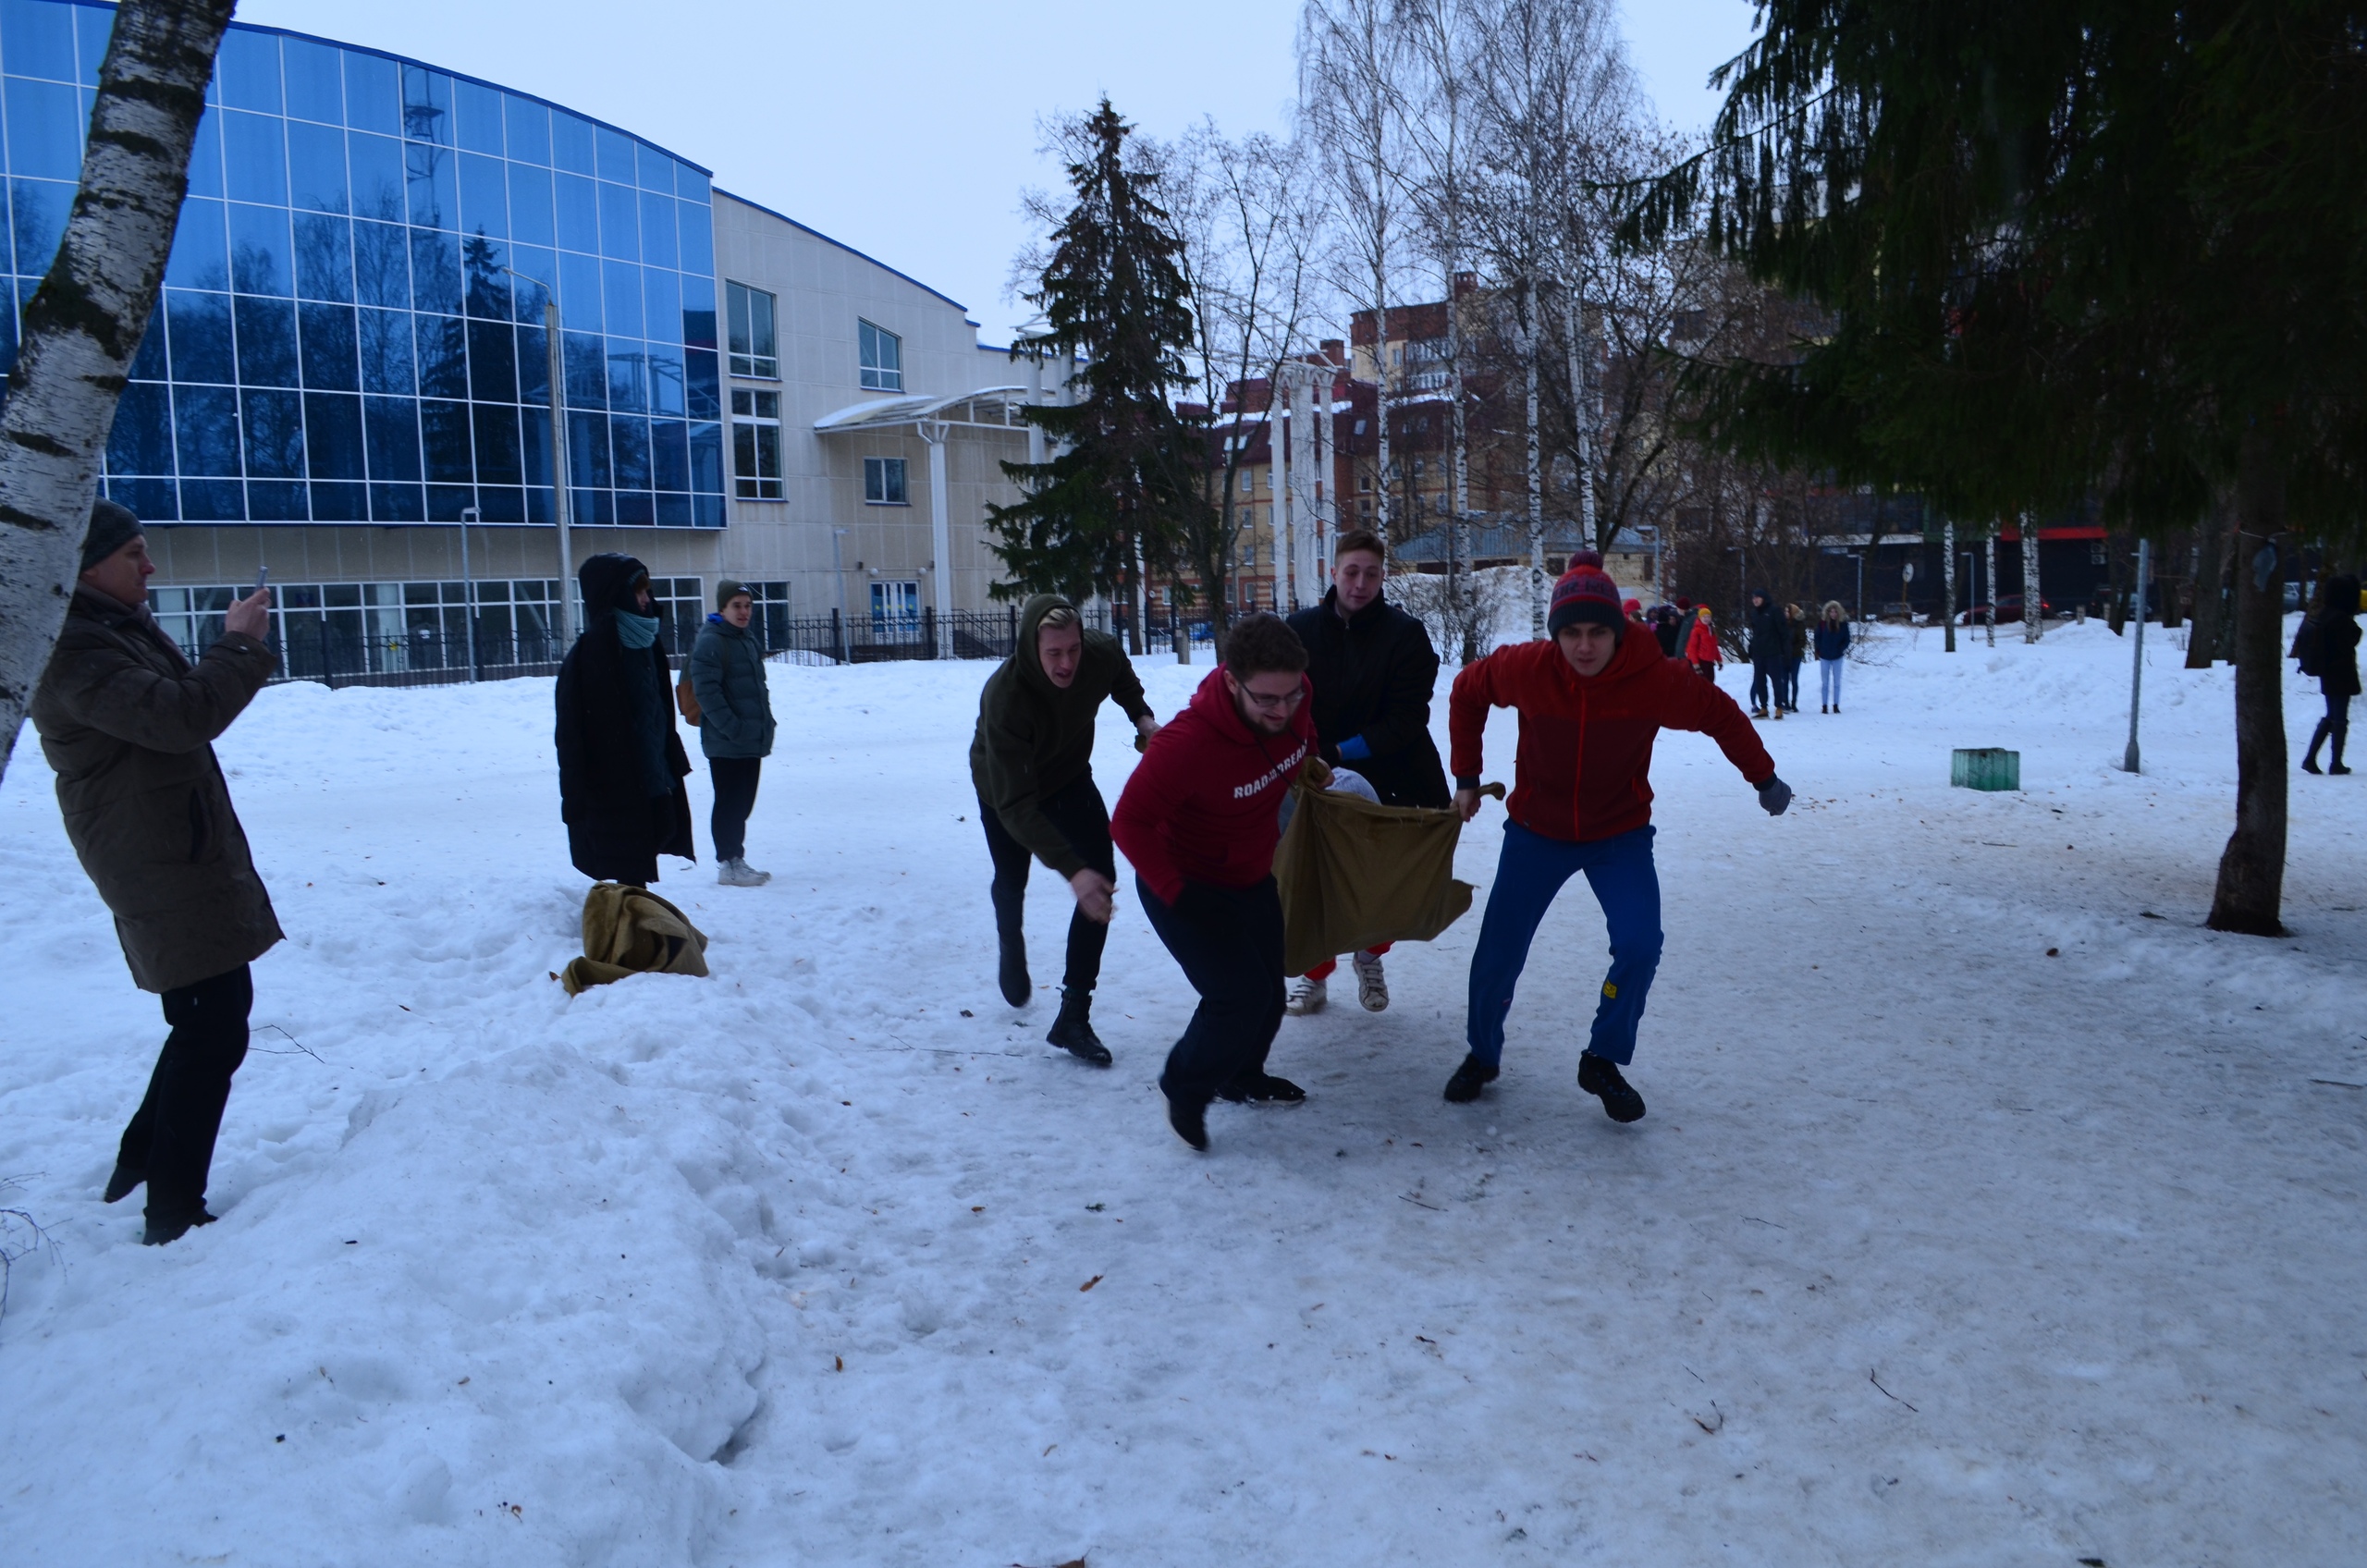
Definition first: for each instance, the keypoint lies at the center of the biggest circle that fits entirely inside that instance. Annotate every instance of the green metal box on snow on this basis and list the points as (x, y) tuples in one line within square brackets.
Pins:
[(1986, 768)]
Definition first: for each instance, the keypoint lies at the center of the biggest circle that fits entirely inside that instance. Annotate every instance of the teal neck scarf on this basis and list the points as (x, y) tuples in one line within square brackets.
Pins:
[(636, 630)]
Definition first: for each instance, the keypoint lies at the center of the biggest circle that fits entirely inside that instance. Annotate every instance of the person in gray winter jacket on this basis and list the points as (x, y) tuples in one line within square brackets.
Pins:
[(735, 726)]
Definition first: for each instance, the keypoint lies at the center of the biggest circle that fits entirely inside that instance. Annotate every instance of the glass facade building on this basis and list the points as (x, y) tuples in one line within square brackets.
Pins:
[(352, 329)]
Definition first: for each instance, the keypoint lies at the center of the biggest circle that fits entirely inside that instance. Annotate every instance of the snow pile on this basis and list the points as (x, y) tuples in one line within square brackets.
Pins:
[(1934, 1247)]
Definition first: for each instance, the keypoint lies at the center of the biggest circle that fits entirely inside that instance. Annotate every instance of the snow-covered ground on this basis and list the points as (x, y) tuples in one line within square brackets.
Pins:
[(1935, 1248)]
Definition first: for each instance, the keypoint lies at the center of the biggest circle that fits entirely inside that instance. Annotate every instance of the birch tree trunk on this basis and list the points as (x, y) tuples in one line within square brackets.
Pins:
[(1538, 586), (2033, 599), (1989, 561), (82, 327), (1380, 405), (2250, 891), (1948, 580)]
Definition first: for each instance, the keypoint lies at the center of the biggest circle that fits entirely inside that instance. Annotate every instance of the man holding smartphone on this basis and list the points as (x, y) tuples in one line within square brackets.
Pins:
[(127, 723)]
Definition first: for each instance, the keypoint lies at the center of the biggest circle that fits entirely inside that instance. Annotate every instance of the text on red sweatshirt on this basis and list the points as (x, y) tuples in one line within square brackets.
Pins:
[(1201, 805)]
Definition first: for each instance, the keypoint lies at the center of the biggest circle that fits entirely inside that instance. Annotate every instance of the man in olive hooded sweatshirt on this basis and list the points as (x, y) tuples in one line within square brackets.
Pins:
[(1032, 761)]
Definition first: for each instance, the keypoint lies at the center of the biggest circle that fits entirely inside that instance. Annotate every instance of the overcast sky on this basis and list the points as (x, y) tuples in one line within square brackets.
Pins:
[(907, 129)]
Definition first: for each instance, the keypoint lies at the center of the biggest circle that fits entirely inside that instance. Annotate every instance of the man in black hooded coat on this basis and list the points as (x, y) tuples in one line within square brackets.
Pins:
[(620, 763), (1770, 648)]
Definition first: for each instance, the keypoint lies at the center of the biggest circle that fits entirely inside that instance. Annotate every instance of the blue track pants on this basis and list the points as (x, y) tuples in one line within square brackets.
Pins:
[(1528, 876)]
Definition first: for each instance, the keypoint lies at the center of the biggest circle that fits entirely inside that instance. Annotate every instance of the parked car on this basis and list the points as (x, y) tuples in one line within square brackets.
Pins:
[(2008, 608)]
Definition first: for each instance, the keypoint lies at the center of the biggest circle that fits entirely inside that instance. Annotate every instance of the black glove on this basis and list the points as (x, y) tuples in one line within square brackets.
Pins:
[(1774, 795)]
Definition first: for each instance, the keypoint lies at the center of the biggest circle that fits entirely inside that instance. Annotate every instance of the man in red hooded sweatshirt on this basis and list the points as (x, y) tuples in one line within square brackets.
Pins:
[(1590, 700), (1198, 819)]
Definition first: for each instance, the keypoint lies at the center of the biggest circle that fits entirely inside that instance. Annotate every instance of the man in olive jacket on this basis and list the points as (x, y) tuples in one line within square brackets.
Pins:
[(127, 723), (1032, 761)]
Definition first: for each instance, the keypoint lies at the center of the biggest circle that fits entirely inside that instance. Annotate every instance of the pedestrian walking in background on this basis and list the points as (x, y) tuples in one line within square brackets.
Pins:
[(1831, 646), (735, 724), (1769, 645), (1198, 820), (1032, 763), (1668, 628), (1590, 701), (127, 724), (1373, 669), (2333, 639), (1796, 653), (1702, 647), (620, 763)]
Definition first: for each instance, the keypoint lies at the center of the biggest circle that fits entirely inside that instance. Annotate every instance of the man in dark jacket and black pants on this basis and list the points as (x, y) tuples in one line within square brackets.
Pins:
[(1770, 649), (735, 716), (1374, 670), (620, 763), (1032, 761)]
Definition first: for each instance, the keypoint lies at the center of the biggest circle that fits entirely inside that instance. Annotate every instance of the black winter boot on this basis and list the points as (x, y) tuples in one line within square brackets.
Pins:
[(1016, 987), (1464, 1087), (119, 1184), (1261, 1089), (1599, 1076), (2339, 737), (163, 1231), (1073, 1030), (2317, 739), (1191, 1123)]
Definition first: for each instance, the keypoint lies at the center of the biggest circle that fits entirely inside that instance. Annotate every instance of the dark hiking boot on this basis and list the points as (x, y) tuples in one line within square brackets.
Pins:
[(2310, 764), (1599, 1076), (1073, 1031), (120, 1185), (1469, 1080), (1016, 987), (163, 1231), (1191, 1123), (1261, 1089)]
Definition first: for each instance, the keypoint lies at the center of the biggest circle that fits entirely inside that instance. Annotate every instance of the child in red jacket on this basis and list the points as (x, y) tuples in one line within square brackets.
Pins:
[(1590, 701)]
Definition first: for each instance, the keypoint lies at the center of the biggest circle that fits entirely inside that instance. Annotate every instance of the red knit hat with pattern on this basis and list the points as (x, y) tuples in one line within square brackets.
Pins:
[(1585, 593)]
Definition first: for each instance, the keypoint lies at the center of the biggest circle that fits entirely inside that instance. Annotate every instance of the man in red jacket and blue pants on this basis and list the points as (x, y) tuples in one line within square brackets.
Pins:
[(1590, 700), (1199, 820)]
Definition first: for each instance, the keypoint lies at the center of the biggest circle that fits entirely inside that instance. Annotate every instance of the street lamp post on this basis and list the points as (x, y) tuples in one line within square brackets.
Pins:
[(2136, 661), (467, 592)]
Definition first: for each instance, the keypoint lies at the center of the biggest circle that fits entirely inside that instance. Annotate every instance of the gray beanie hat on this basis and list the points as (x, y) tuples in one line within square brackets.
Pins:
[(112, 527), (728, 590)]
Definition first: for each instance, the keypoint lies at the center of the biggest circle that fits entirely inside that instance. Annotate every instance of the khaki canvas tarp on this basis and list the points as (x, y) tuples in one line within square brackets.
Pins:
[(632, 931), (1354, 874)]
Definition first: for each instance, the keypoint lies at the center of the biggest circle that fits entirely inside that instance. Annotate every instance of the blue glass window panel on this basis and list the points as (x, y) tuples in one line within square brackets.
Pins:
[(206, 155), (534, 262), (669, 454), (37, 221), (482, 262), (667, 392), (372, 97), (338, 503), (635, 510), (571, 144), (596, 507), (443, 433), (587, 370), (534, 437), (654, 168), (588, 449), (661, 295), (485, 195), (443, 356), (673, 510), (434, 196), (247, 69), (331, 362), (435, 271), (385, 338), (691, 184), (149, 364), (255, 151), (323, 257), (45, 124), (393, 425), (269, 501), (8, 333), (706, 511), (198, 327), (579, 213), (205, 429), (91, 28), (267, 341), (529, 206), (381, 265), (616, 155), (38, 38), (496, 430), (378, 176), (478, 108), (142, 440), (626, 390), (700, 373), (658, 230), (707, 458), (151, 500), (630, 437), (529, 129), (698, 309), (397, 503), (333, 435), (222, 500), (579, 293), (315, 168), (500, 503), (428, 106), (261, 261), (493, 362), (622, 291), (275, 431), (695, 226), (449, 503), (534, 365), (315, 80), (619, 222)]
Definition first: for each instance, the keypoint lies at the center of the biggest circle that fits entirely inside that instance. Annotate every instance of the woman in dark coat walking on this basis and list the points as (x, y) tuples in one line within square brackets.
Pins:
[(2337, 647), (620, 764)]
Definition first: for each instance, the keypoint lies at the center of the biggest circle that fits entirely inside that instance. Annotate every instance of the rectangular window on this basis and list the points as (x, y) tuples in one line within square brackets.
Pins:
[(883, 482), (755, 349), (883, 358), (896, 612), (755, 445)]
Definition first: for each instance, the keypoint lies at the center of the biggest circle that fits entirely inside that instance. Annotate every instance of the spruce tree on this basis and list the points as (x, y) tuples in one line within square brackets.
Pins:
[(1121, 487)]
